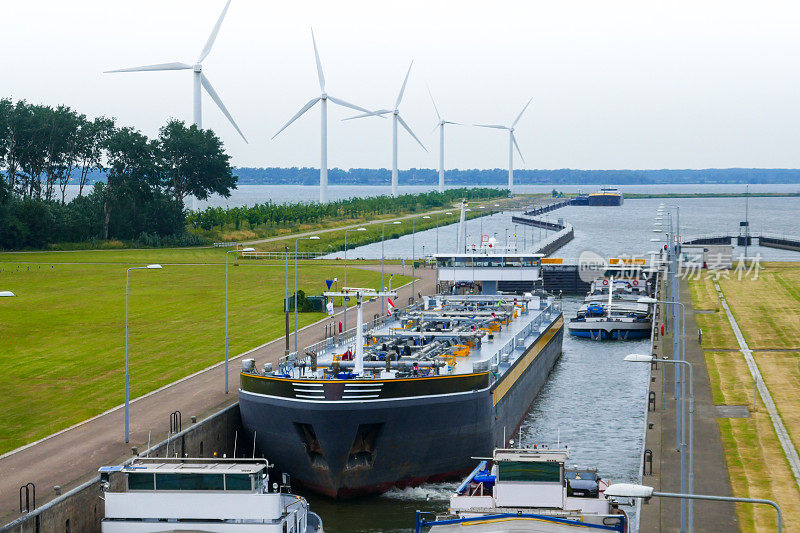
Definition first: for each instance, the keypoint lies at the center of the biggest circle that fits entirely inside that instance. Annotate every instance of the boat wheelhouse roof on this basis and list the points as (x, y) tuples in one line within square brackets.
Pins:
[(191, 465)]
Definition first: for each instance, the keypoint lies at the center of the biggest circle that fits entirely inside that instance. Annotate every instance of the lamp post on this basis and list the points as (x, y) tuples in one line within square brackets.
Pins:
[(286, 299), (6, 294), (312, 238), (413, 251), (638, 358), (226, 308), (437, 229), (630, 490), (383, 283), (345, 271), (127, 368)]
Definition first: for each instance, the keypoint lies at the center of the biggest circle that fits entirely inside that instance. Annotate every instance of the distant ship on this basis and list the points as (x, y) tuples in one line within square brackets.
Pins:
[(607, 196)]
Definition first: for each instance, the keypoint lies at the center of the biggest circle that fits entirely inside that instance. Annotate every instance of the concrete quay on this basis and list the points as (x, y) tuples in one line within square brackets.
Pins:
[(710, 468)]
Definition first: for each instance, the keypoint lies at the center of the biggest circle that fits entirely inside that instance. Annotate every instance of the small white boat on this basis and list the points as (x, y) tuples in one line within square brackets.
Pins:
[(528, 490), (621, 320), (208, 495)]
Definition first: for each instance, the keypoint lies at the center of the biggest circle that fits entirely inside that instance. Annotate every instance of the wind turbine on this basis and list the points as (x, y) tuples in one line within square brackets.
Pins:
[(323, 99), (440, 125), (395, 119), (512, 142), (199, 78)]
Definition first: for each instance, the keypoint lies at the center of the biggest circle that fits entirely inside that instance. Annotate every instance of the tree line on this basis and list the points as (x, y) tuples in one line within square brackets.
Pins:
[(272, 214), (43, 147)]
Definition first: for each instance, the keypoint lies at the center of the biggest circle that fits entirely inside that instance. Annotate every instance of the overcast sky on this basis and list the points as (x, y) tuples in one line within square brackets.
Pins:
[(639, 84)]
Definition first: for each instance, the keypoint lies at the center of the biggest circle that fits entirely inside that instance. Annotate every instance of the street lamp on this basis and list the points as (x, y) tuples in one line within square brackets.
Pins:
[(630, 490), (640, 358), (383, 283), (226, 309), (127, 371), (6, 294), (413, 251), (345, 270), (437, 230), (312, 238)]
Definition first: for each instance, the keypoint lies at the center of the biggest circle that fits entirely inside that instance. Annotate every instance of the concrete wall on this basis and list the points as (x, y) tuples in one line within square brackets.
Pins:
[(81, 509)]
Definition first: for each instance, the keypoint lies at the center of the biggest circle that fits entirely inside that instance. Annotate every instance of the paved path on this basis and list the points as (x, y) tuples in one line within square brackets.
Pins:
[(72, 456), (710, 468)]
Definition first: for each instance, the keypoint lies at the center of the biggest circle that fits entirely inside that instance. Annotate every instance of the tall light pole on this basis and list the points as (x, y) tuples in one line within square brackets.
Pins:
[(345, 271), (226, 308), (383, 283), (286, 300), (312, 238), (639, 358), (127, 368), (629, 490), (6, 294), (437, 229), (413, 250)]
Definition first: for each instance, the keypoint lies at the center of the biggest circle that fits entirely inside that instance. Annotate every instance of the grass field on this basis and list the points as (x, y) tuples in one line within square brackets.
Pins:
[(62, 338), (768, 312)]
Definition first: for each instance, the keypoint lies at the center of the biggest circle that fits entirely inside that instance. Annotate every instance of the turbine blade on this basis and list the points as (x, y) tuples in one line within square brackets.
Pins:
[(513, 138), (378, 113), (320, 75), (456, 123), (305, 108), (217, 100), (403, 87), (492, 126), (213, 36), (342, 103), (403, 123), (521, 112), (434, 105), (148, 68)]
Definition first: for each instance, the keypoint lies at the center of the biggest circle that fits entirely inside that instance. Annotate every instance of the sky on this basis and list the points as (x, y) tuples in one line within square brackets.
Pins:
[(615, 84)]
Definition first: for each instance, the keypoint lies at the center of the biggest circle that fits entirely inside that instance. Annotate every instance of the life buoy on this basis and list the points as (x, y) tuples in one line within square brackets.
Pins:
[(635, 282), (605, 282)]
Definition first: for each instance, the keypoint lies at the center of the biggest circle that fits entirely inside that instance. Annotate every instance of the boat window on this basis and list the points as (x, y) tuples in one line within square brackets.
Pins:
[(513, 261), (189, 482), (141, 481), (524, 471), (238, 482), (529, 261)]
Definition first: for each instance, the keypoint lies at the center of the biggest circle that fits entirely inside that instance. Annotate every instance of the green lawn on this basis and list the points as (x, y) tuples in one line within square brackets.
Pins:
[(62, 338)]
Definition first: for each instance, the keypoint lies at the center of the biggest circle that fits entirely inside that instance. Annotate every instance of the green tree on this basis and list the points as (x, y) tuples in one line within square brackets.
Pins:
[(193, 161)]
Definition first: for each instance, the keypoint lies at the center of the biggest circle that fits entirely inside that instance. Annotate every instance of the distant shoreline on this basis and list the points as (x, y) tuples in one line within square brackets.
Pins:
[(639, 196)]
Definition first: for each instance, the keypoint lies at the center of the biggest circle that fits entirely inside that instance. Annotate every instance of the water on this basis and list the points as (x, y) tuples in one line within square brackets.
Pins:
[(610, 231), (246, 195), (593, 402)]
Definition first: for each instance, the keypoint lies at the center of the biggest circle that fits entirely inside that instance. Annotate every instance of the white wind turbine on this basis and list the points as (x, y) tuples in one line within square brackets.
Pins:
[(323, 99), (395, 119), (199, 78), (440, 125), (512, 142)]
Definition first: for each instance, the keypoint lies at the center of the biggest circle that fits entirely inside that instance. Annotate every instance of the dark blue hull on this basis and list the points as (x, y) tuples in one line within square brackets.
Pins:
[(350, 448), (612, 335)]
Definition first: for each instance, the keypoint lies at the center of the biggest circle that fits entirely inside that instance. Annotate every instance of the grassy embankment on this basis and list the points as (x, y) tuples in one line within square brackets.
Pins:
[(62, 338), (768, 313)]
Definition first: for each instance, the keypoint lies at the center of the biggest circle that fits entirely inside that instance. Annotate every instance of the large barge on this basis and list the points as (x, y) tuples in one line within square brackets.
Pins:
[(408, 398)]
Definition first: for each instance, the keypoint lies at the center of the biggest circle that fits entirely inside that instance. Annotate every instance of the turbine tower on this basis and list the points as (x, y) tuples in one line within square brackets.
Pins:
[(512, 142), (200, 79), (323, 99), (395, 119), (440, 125)]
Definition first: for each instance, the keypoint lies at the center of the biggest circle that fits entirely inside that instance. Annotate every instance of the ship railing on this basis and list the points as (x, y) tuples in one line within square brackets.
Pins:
[(532, 328), (344, 338)]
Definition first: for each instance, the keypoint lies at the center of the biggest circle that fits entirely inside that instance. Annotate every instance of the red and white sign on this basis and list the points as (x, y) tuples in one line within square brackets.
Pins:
[(391, 307)]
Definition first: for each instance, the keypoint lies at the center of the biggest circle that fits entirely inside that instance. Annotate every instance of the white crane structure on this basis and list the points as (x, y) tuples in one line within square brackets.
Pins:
[(200, 81)]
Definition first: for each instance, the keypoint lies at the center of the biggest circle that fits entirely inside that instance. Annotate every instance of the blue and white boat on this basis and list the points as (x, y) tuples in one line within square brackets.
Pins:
[(620, 320), (528, 490)]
